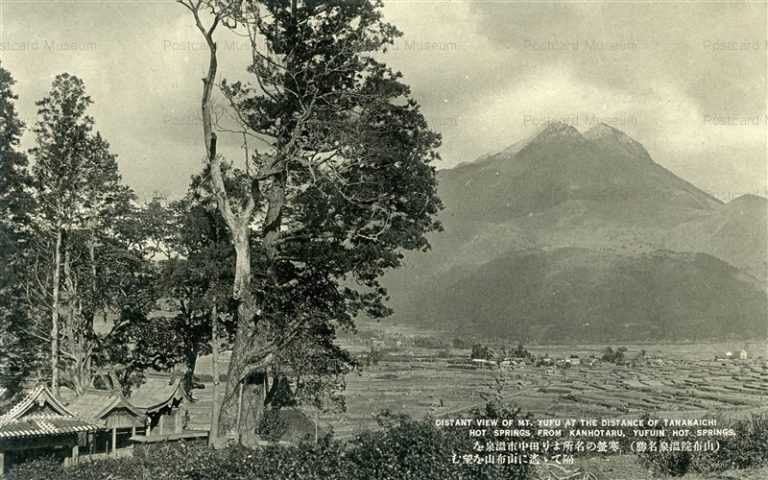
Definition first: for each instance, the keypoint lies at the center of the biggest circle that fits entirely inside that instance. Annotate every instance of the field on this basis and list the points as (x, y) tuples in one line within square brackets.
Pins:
[(677, 381), (674, 380)]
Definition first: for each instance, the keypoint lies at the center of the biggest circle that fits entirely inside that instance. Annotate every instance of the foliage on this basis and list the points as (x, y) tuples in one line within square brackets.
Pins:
[(521, 352), (482, 352), (194, 268), (746, 449), (341, 183), (17, 349), (318, 367), (271, 425), (86, 262), (614, 356), (51, 468), (404, 449)]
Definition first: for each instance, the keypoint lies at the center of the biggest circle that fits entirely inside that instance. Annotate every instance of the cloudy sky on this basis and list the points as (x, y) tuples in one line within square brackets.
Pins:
[(685, 78)]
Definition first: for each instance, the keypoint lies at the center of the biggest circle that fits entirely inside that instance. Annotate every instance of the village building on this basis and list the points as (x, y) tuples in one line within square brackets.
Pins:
[(512, 362), (560, 363), (483, 363), (119, 420), (546, 361), (41, 426), (166, 405), (743, 355)]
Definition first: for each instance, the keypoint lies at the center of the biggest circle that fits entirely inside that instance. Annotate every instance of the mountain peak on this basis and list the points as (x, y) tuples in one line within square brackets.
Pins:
[(749, 198), (748, 201), (557, 131), (602, 130), (608, 136)]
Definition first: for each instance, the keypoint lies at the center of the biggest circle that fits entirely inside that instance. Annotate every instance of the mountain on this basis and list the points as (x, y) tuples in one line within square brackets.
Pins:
[(583, 295), (735, 232), (599, 194), (603, 169)]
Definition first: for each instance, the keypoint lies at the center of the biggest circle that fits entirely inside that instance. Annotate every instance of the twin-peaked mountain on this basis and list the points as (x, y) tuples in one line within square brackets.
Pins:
[(583, 236)]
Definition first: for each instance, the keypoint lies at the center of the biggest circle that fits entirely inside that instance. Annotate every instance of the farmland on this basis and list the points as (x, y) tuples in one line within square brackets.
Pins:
[(677, 381)]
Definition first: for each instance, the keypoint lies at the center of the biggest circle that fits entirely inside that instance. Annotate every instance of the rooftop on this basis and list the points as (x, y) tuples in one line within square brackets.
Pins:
[(157, 392), (40, 413), (97, 404)]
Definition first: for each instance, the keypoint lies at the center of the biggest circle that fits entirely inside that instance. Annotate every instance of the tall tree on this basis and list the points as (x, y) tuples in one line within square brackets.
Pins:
[(82, 205), (341, 182), (199, 279), (195, 271), (62, 135), (17, 350)]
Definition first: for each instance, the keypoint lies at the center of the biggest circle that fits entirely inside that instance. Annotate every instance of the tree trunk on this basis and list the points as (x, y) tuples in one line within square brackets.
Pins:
[(55, 313), (251, 404), (239, 222), (213, 435), (75, 330), (190, 365), (243, 426)]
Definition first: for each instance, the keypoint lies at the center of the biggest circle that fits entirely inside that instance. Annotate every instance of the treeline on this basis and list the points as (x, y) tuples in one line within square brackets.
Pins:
[(98, 287), (266, 256), (87, 268)]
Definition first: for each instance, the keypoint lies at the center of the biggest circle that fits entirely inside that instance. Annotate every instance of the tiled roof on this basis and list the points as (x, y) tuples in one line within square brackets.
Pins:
[(40, 414), (42, 426), (157, 393), (97, 404)]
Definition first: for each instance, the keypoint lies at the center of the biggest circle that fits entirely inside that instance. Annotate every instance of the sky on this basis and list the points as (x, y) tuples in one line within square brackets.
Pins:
[(685, 78)]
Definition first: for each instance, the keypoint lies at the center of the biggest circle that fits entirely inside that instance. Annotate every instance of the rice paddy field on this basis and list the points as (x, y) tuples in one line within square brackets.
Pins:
[(676, 381), (672, 381)]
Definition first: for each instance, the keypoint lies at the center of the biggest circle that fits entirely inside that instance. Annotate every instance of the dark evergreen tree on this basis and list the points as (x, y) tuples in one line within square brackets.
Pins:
[(342, 180), (18, 351)]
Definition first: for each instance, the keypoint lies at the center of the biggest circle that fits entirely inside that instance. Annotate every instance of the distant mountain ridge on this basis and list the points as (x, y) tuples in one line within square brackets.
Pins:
[(600, 194)]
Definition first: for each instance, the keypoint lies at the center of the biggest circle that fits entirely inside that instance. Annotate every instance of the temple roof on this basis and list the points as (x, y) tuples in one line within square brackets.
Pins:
[(156, 394), (40, 413), (98, 404)]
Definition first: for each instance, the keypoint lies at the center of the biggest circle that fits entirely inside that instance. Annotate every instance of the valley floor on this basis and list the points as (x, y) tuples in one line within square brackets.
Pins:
[(421, 384)]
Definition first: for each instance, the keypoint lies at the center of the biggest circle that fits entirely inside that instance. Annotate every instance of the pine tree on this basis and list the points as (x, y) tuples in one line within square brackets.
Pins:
[(17, 349)]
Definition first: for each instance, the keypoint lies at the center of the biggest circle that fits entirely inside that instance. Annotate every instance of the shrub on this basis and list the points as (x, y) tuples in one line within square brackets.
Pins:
[(746, 449), (404, 449), (272, 426), (482, 352), (38, 469), (418, 450), (52, 469), (675, 464)]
